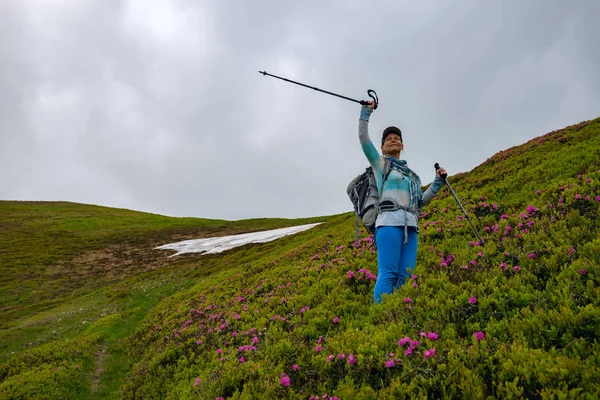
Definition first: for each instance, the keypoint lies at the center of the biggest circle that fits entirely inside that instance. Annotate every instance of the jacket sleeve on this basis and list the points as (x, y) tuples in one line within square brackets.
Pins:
[(432, 190), (375, 159)]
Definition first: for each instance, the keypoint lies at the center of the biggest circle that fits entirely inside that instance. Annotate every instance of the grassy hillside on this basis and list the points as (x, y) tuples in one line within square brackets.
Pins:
[(89, 310)]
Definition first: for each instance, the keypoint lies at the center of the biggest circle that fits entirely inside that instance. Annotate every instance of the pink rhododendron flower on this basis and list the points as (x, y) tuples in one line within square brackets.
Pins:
[(403, 341), (318, 348), (597, 199), (407, 300), (432, 336), (320, 339), (516, 268), (408, 351), (582, 272), (341, 356), (295, 367), (538, 192), (285, 380), (242, 360), (198, 380), (352, 360), (350, 274), (219, 351), (472, 300), (330, 358), (423, 334), (336, 320), (532, 255), (390, 364), (479, 335), (429, 353)]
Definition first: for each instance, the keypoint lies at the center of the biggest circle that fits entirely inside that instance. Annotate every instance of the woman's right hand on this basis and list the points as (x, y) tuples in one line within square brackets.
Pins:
[(370, 104)]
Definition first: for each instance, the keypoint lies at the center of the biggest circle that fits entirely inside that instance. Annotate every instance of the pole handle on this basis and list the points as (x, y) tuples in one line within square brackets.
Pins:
[(437, 166), (372, 94)]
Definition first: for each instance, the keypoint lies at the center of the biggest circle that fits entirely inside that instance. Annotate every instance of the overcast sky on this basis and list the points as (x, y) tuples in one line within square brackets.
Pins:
[(157, 105)]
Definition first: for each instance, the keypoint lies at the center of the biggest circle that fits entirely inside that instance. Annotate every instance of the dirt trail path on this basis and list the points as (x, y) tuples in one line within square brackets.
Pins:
[(100, 360)]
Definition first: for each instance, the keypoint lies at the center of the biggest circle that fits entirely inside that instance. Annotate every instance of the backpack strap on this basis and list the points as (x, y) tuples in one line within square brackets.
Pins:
[(387, 168), (356, 215)]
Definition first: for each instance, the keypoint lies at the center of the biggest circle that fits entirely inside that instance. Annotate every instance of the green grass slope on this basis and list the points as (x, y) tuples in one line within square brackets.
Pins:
[(516, 317)]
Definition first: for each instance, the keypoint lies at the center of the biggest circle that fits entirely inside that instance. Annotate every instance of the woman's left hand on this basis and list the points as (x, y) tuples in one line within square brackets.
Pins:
[(441, 172)]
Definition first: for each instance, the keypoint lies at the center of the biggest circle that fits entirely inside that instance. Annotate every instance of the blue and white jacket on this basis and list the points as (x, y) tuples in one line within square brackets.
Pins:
[(401, 188)]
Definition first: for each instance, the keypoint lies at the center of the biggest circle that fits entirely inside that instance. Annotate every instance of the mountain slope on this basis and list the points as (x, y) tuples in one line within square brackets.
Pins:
[(518, 316)]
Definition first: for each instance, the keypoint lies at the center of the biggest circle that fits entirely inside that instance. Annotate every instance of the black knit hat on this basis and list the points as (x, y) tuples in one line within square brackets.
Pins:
[(389, 130)]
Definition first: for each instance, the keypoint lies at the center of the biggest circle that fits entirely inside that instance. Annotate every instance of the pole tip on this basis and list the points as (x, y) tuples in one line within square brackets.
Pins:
[(262, 72)]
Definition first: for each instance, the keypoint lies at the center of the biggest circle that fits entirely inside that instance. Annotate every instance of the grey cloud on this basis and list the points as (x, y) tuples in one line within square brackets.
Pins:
[(163, 110)]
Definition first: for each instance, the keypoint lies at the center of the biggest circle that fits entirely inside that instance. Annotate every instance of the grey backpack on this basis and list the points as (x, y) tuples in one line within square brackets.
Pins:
[(364, 196)]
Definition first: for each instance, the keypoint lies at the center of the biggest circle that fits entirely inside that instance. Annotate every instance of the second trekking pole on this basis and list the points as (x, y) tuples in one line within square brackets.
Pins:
[(444, 176)]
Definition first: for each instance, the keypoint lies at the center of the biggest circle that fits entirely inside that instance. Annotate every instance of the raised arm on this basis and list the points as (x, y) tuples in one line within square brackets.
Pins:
[(365, 141)]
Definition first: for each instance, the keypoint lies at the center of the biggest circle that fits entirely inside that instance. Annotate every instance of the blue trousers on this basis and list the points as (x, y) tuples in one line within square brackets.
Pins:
[(395, 260)]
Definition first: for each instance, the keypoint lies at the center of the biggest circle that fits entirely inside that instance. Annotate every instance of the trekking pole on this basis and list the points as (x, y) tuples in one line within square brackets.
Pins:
[(444, 176), (370, 92)]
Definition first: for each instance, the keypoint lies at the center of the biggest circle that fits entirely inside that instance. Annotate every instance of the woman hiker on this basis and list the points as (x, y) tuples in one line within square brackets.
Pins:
[(399, 201)]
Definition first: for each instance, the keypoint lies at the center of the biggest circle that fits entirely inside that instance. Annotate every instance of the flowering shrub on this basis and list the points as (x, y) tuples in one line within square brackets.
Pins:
[(516, 316), (477, 304)]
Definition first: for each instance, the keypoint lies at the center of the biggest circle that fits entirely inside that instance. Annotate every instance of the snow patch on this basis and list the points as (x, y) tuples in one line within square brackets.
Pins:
[(219, 244)]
